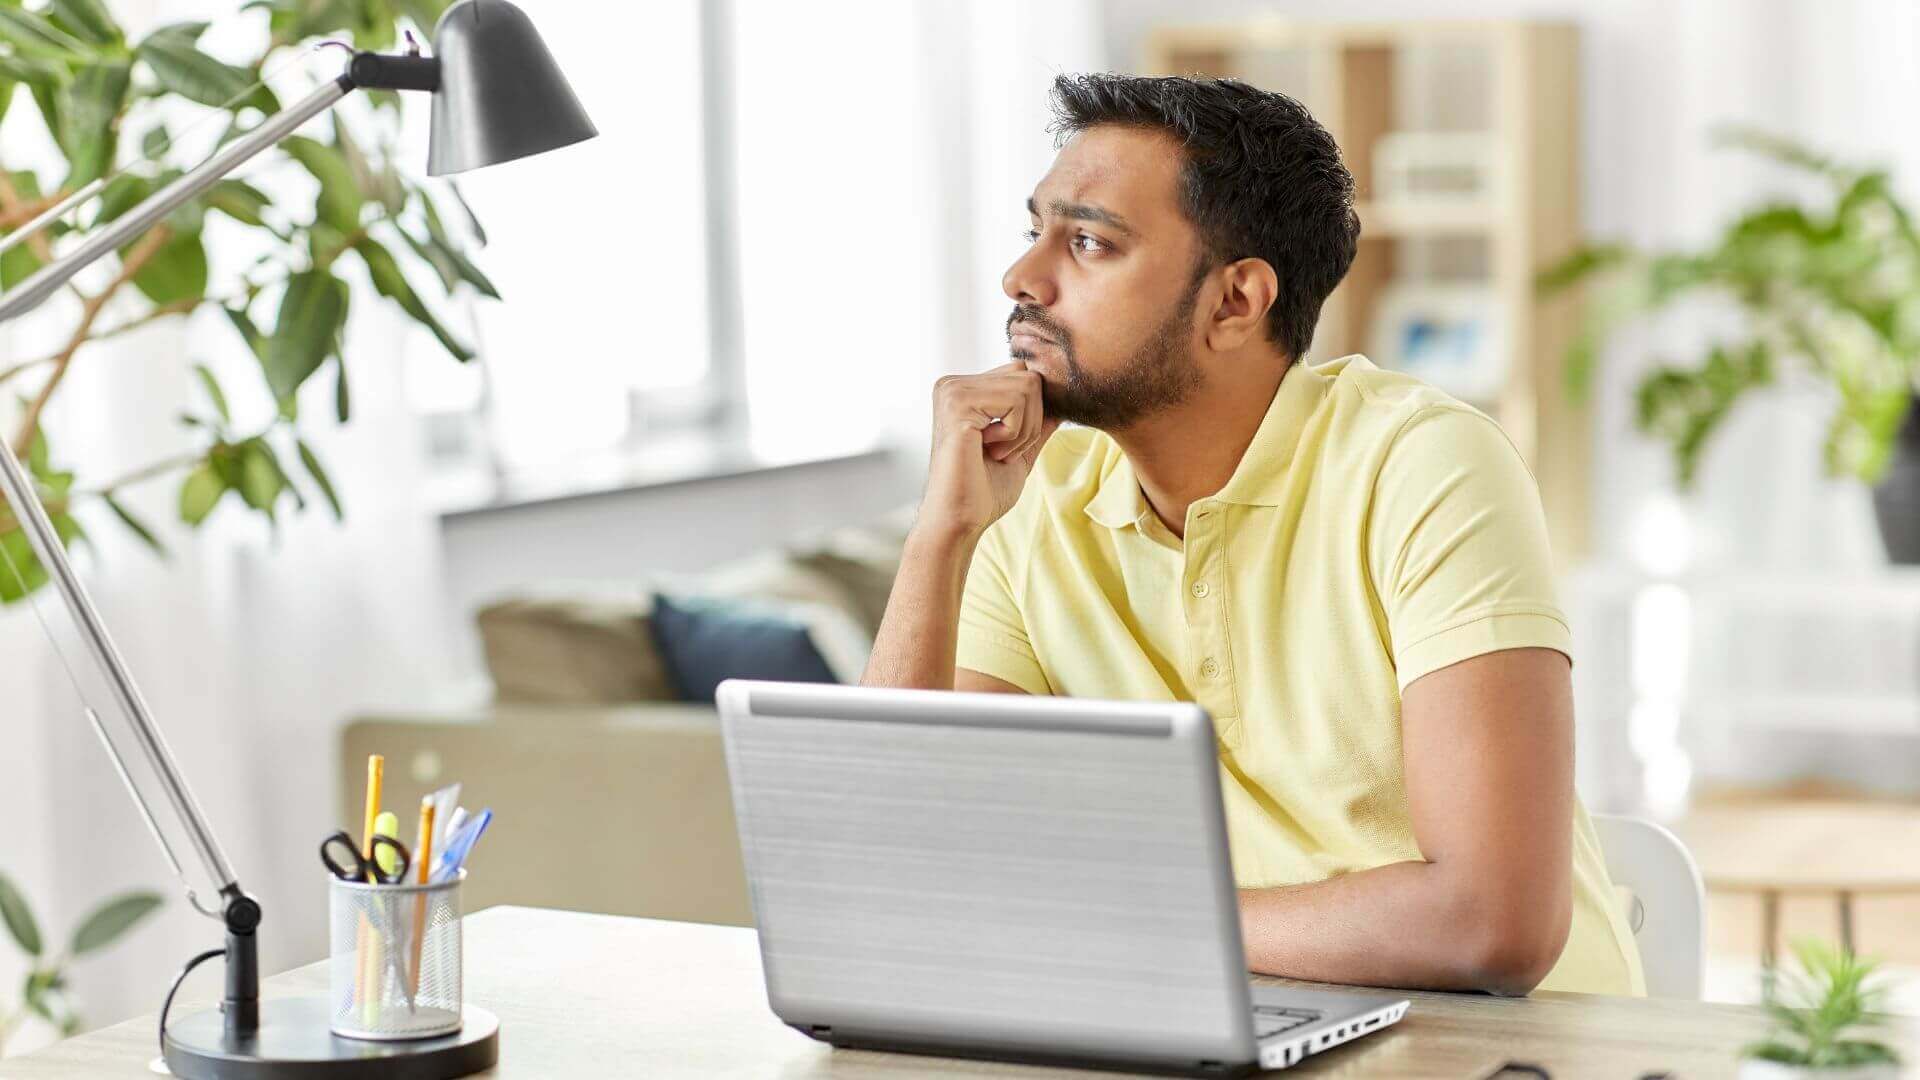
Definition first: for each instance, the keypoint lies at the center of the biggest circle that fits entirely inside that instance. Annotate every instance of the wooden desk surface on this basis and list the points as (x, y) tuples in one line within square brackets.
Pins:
[(1806, 847), (600, 995)]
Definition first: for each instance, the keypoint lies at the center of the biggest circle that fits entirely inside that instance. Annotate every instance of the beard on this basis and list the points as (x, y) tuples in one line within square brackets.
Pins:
[(1160, 374)]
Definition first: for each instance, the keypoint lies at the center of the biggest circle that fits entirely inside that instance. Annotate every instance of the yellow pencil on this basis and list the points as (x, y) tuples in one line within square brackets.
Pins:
[(423, 860), (368, 958), (376, 772)]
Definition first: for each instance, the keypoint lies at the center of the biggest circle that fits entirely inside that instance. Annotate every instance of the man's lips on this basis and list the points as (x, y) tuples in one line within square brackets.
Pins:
[(1022, 336)]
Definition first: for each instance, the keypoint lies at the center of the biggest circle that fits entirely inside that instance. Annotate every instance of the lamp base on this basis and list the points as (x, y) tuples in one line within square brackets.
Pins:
[(294, 1043)]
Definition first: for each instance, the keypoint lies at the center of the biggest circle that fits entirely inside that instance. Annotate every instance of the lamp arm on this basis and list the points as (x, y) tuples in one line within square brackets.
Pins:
[(239, 912), (30, 293)]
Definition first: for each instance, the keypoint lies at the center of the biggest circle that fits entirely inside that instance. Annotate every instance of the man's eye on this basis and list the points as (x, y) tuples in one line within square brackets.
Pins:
[(1031, 236), (1088, 245)]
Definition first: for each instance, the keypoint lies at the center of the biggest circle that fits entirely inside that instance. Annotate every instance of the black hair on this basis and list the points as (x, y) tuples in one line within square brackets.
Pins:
[(1262, 179)]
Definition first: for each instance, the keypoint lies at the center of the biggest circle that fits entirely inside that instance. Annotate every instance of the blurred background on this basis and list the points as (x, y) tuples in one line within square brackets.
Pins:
[(1665, 245)]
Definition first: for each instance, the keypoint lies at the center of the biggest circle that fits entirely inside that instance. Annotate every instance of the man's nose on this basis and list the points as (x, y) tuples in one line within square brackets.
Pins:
[(1027, 280)]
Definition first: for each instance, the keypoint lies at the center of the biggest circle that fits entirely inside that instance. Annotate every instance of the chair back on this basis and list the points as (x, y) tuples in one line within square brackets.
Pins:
[(1666, 903)]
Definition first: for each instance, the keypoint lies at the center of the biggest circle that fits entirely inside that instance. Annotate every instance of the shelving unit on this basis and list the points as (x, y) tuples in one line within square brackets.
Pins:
[(1517, 83)]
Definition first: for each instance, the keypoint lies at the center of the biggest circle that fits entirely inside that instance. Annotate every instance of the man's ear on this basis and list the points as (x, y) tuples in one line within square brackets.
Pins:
[(1248, 288)]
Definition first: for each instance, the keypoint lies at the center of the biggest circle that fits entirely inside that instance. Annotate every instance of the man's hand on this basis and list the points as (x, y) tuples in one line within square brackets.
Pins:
[(987, 432)]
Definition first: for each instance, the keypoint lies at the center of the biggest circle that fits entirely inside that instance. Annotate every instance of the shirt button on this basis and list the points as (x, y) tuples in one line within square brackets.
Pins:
[(1200, 589), (1210, 667)]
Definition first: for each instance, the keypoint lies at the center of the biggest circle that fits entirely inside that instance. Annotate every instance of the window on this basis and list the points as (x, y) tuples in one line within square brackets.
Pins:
[(600, 255), (798, 138)]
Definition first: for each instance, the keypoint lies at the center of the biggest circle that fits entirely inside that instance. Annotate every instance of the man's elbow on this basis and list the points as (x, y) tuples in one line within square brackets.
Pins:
[(1514, 941)]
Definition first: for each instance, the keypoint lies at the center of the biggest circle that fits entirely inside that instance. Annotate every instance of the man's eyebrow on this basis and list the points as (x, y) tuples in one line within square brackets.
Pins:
[(1082, 212)]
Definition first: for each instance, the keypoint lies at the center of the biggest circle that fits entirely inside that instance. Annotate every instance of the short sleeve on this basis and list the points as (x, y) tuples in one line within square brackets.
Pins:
[(1457, 545), (993, 633)]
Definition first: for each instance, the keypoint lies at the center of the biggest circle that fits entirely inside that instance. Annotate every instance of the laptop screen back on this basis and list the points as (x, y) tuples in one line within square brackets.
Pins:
[(993, 869)]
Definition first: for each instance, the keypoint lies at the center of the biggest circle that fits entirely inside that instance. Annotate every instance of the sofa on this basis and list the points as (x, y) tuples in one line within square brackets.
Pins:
[(609, 790)]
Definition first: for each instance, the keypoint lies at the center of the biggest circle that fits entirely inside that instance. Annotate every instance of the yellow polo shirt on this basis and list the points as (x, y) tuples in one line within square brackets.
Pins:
[(1374, 531)]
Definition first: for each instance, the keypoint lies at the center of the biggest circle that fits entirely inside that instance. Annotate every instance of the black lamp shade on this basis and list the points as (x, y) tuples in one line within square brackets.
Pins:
[(501, 95)]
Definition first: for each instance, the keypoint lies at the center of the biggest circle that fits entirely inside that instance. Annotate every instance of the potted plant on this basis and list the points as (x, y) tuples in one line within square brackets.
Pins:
[(1814, 1009), (45, 994), (135, 109), (1829, 288)]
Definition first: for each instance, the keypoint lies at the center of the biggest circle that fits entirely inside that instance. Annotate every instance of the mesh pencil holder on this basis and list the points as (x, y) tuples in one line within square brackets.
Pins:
[(394, 967)]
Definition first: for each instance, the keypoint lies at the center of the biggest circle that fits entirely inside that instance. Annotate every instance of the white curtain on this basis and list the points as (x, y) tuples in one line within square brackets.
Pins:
[(251, 649)]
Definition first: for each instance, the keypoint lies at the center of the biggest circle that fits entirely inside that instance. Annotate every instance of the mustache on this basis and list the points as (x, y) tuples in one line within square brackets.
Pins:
[(1038, 318)]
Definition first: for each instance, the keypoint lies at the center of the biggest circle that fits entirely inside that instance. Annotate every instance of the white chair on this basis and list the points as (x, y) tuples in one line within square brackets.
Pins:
[(1666, 903)]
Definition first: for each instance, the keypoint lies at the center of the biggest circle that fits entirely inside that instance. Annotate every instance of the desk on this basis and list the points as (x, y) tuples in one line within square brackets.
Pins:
[(1839, 849), (605, 996)]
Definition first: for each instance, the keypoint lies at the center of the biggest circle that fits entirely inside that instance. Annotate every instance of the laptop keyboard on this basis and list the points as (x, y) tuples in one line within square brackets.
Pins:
[(1273, 1019)]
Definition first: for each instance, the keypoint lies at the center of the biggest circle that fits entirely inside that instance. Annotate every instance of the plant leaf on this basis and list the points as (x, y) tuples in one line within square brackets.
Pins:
[(214, 392), (340, 198), (135, 525), (311, 314), (112, 919), (155, 142), (446, 249), (34, 36), (178, 271), (122, 193), (261, 480), (17, 265), (43, 74), (243, 324), (320, 479), (342, 399), (240, 201), (180, 67), (88, 107), (473, 219), (86, 19), (389, 281), (200, 493), (13, 907)]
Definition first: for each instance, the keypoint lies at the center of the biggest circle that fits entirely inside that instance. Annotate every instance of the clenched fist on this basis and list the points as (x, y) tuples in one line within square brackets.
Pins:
[(987, 432)]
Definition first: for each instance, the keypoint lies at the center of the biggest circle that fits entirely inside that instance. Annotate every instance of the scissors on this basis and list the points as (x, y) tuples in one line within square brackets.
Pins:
[(358, 867)]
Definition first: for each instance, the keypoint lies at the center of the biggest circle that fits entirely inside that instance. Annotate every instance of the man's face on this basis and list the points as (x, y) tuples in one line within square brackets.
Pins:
[(1105, 296)]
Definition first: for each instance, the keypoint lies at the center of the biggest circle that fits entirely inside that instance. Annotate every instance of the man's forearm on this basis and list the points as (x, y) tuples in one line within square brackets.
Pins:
[(1407, 925), (914, 647)]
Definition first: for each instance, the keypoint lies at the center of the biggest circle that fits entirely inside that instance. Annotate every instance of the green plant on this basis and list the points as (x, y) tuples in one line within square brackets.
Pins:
[(1832, 286), (1816, 1006), (45, 993), (106, 102)]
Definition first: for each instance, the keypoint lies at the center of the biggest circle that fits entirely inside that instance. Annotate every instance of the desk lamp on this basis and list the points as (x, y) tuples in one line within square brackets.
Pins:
[(497, 96)]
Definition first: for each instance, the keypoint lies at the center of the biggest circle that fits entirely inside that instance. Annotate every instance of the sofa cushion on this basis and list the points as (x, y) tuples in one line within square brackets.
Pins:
[(573, 650), (569, 644), (704, 641), (863, 561)]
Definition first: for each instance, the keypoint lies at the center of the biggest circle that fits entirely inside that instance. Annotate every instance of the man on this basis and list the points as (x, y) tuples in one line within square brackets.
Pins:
[(1347, 568)]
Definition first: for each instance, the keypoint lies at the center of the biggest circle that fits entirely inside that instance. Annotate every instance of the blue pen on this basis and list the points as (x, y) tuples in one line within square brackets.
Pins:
[(459, 846)]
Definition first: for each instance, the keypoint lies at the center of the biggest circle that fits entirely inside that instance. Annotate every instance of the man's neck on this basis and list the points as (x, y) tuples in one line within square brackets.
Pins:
[(1188, 452)]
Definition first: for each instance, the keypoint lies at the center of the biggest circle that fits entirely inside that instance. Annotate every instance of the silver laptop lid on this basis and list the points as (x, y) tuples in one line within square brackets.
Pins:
[(993, 869)]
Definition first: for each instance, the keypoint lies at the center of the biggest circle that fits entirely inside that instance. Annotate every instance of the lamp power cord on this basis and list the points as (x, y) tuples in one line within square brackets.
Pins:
[(178, 979)]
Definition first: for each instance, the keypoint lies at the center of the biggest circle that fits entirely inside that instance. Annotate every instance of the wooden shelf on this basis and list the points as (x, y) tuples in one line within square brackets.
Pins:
[(1434, 219), (1357, 77)]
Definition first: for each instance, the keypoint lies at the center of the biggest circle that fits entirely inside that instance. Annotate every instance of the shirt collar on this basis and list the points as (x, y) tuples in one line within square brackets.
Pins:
[(1258, 478)]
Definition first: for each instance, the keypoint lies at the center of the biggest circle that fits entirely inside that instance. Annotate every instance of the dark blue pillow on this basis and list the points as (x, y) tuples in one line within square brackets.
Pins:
[(706, 641)]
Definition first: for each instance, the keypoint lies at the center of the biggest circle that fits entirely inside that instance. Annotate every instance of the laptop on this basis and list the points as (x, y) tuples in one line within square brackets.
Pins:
[(1006, 877)]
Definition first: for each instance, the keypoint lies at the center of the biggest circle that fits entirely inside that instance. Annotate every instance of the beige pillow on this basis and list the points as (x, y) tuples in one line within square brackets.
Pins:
[(863, 561), (573, 651)]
